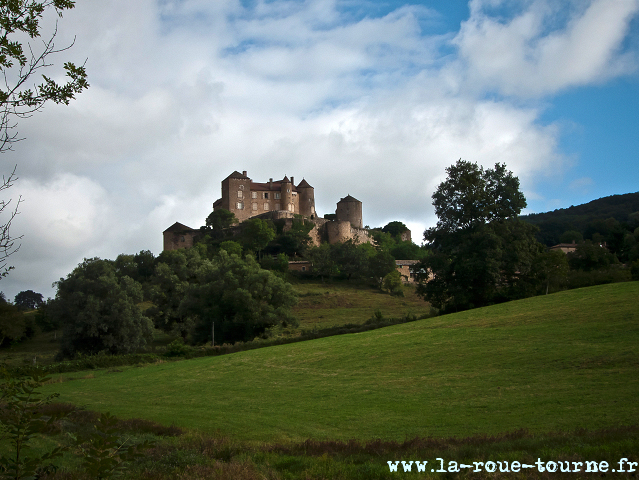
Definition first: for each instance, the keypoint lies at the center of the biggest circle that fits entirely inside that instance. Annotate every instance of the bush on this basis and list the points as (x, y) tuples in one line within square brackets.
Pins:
[(177, 348)]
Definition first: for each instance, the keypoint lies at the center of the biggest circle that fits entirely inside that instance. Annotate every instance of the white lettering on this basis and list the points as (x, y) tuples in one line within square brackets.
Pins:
[(590, 466), (393, 468), (421, 467), (407, 466)]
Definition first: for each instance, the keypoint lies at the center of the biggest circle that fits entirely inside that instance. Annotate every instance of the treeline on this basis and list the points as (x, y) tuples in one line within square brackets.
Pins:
[(611, 221)]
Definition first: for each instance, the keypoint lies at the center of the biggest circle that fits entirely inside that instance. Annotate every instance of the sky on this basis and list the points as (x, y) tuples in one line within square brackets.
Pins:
[(372, 98)]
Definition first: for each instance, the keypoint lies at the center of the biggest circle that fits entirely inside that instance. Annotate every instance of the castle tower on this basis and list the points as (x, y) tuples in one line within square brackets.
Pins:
[(288, 203), (349, 209), (236, 193), (306, 195)]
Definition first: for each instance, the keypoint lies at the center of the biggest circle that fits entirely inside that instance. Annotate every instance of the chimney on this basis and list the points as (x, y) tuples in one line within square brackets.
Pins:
[(270, 183), (293, 181), (244, 173)]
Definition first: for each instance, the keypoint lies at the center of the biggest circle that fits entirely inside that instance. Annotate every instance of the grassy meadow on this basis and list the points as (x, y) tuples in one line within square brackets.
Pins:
[(552, 363)]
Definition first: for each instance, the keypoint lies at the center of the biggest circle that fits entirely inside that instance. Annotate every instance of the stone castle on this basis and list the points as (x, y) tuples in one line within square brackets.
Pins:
[(276, 200)]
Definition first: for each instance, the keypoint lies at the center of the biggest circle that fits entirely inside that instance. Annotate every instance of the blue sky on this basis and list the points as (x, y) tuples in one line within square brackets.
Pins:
[(368, 98)]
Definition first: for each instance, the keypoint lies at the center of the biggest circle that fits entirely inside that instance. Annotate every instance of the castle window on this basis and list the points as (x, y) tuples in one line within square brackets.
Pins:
[(253, 194), (266, 195), (241, 187), (239, 206), (254, 207), (239, 194), (266, 208), (182, 239), (278, 196), (277, 206)]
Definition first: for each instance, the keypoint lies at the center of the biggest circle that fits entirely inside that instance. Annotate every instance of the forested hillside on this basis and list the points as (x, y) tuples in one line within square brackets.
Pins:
[(607, 219)]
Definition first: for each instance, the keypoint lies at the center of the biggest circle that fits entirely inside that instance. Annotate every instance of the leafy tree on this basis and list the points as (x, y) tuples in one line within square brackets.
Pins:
[(100, 311), (551, 269), (589, 256), (407, 251), (570, 236), (351, 259), (383, 240), (19, 61), (393, 284), (231, 247), (175, 270), (13, 326), (28, 300), (238, 298), (395, 229), (381, 264), (276, 263), (480, 252), (219, 220), (296, 241), (257, 234), (324, 264)]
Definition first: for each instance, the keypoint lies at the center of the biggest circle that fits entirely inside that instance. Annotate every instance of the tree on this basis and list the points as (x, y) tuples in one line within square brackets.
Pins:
[(296, 241), (395, 229), (100, 311), (28, 300), (257, 234), (19, 61), (323, 262), (220, 219), (480, 252), (351, 259), (381, 264), (393, 284), (13, 327), (590, 256), (551, 268), (175, 270), (238, 298)]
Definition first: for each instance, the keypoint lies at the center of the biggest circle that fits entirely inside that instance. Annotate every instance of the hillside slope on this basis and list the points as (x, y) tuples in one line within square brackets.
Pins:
[(559, 361)]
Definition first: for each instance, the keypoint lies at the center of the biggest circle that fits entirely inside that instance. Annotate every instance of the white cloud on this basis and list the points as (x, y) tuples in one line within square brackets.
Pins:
[(528, 55), (185, 92)]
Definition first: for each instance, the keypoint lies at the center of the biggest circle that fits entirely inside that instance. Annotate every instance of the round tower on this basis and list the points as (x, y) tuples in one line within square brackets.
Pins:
[(349, 209), (306, 195), (287, 195)]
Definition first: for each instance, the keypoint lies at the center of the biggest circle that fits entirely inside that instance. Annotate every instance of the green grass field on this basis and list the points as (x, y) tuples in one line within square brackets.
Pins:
[(332, 304), (555, 362)]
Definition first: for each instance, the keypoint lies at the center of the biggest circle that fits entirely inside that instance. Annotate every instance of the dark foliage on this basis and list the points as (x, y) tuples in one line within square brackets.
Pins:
[(28, 300), (480, 252)]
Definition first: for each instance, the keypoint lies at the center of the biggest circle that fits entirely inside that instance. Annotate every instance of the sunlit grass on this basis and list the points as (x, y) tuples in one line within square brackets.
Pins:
[(555, 362)]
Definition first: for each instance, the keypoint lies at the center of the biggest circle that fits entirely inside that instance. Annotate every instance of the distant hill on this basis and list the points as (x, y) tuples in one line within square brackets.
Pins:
[(589, 218)]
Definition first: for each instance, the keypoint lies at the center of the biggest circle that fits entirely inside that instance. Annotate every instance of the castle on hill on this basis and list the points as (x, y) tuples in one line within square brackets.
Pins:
[(276, 200)]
